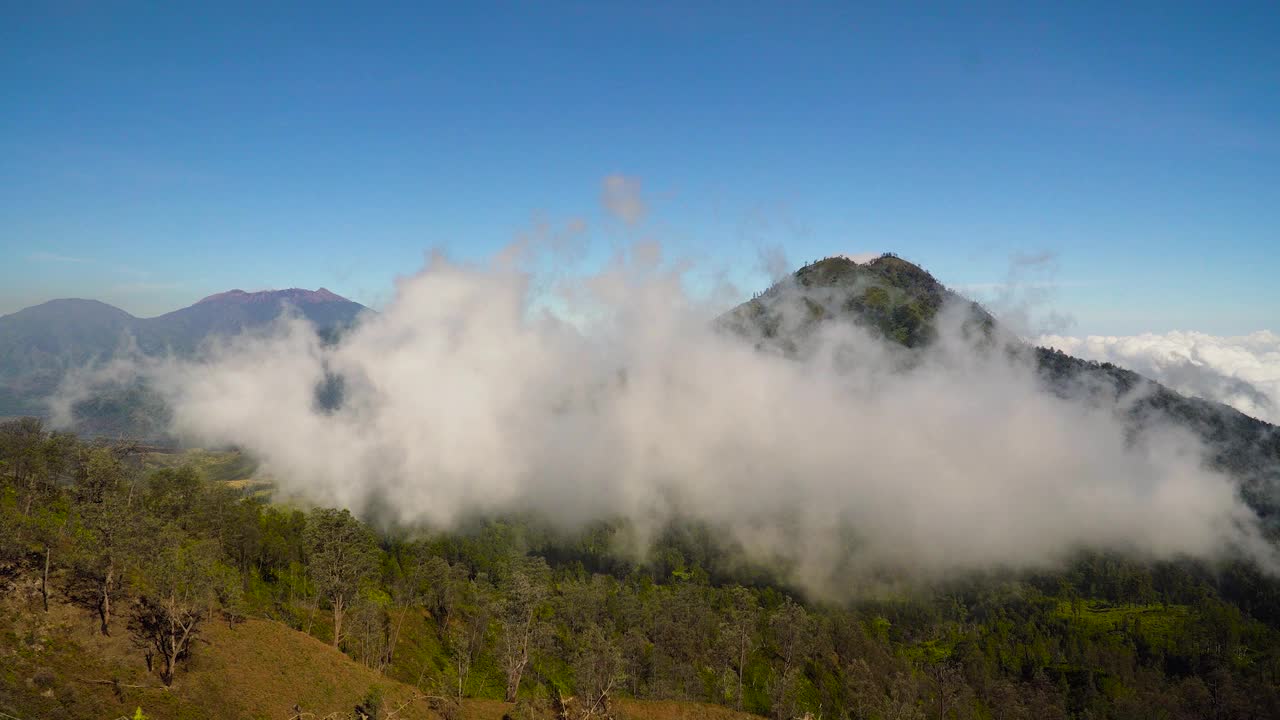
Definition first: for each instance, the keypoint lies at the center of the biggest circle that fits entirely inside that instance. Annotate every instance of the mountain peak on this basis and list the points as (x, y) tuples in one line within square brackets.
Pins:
[(295, 295), (887, 267), (72, 307), (893, 297)]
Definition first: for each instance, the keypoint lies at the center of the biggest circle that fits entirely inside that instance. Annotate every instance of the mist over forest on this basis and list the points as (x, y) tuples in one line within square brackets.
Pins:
[(835, 449), (856, 492), (639, 361)]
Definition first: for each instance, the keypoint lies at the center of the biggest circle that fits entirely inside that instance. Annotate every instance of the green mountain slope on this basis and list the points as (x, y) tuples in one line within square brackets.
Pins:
[(896, 299), (901, 303)]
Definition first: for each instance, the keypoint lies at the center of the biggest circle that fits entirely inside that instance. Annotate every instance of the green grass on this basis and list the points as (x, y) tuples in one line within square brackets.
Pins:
[(1156, 622), (929, 652), (213, 465)]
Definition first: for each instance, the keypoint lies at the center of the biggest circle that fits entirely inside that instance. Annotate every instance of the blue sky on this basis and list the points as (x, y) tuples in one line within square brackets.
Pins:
[(153, 154)]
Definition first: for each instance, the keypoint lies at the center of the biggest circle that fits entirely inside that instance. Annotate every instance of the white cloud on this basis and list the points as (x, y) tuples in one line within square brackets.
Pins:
[(54, 257), (622, 198), (1241, 371), (997, 289), (465, 396)]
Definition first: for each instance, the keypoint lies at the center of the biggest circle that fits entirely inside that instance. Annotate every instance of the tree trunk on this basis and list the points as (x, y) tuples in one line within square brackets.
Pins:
[(312, 606), (179, 642), (337, 620), (44, 580), (513, 684), (104, 604), (939, 675), (395, 637), (518, 659)]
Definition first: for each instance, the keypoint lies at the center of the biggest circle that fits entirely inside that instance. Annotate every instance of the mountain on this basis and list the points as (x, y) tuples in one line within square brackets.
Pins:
[(40, 344), (231, 312), (58, 333), (1244, 447), (1106, 633), (894, 298), (900, 302)]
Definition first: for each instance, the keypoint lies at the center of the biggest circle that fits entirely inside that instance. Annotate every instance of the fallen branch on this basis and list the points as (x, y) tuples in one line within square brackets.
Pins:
[(116, 683)]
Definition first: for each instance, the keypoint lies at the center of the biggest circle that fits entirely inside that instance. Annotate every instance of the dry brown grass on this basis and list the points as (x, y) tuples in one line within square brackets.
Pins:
[(59, 666), (266, 669), (624, 709), (677, 710)]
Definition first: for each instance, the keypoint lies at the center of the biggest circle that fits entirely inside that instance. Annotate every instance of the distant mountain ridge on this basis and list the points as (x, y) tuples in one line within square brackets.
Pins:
[(40, 344), (297, 295), (893, 298)]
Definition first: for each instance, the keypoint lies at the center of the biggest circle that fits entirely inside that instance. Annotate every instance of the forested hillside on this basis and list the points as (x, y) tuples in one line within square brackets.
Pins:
[(544, 361), (901, 302), (177, 570), (127, 571)]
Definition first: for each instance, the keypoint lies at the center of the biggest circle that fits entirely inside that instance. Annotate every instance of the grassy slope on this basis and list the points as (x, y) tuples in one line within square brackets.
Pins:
[(215, 465), (1161, 621), (258, 669), (57, 666)]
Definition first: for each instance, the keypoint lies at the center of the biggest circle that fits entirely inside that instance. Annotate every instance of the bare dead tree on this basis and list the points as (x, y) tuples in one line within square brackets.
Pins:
[(519, 624)]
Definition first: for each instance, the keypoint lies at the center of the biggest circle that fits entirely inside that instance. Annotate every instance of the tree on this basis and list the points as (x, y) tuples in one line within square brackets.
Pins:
[(108, 531), (33, 509), (175, 495), (370, 630), (11, 538), (408, 590), (684, 629), (466, 637), (947, 684), (33, 536), (791, 630), (597, 670), (178, 589), (442, 584), (46, 527), (33, 458), (739, 632), (342, 554), (519, 625)]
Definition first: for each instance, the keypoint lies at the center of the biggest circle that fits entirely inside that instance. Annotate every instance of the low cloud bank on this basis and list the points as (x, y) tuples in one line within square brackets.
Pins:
[(1241, 371), (467, 394)]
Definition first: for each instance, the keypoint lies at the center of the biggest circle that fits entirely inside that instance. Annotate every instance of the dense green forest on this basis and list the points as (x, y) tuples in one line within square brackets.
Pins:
[(514, 609)]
